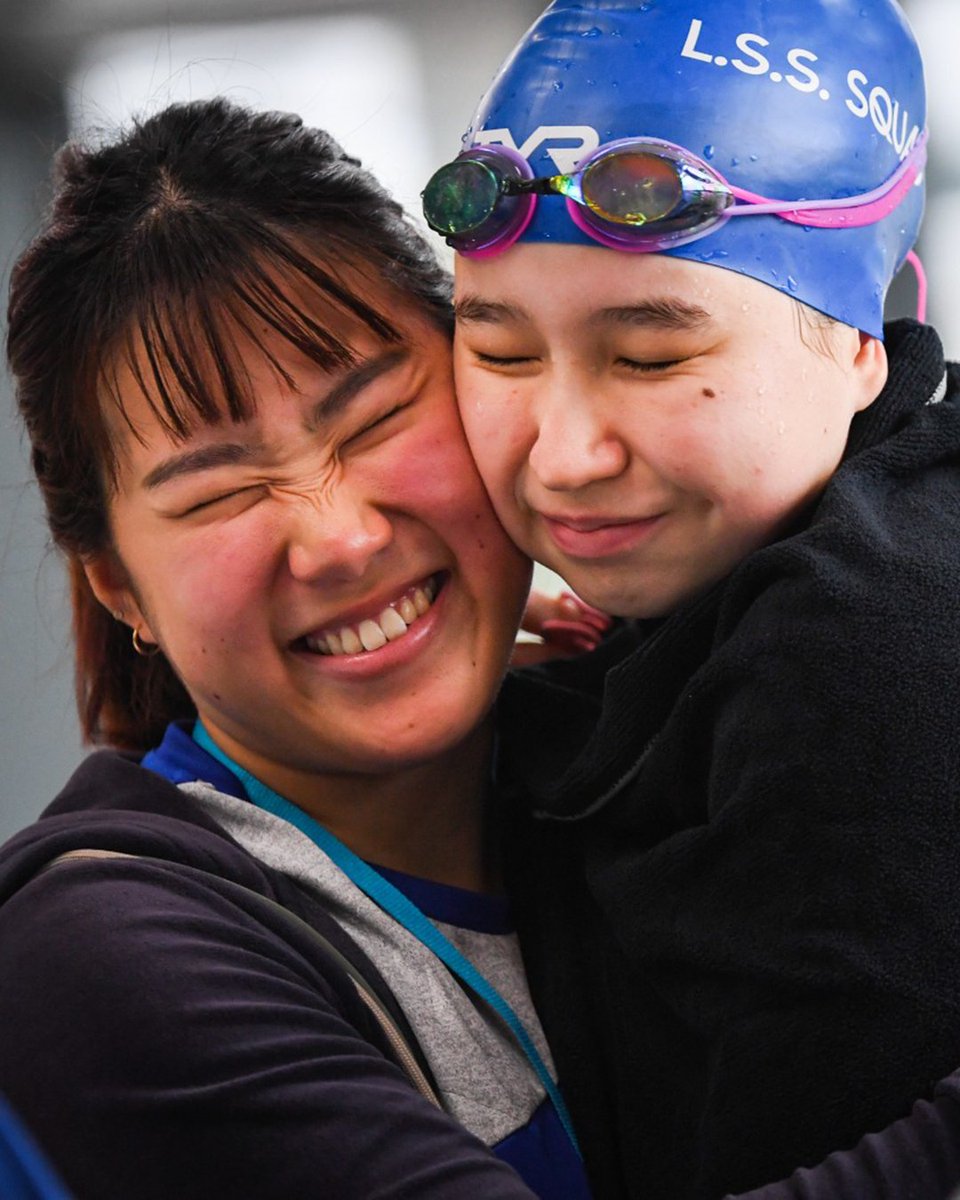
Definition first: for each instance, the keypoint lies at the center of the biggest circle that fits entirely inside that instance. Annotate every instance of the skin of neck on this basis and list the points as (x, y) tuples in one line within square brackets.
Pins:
[(426, 820)]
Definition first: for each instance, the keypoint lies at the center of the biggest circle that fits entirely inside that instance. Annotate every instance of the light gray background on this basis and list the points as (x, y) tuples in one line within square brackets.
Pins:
[(75, 62)]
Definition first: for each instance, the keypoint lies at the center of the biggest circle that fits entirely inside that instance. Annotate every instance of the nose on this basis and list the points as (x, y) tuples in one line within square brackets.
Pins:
[(335, 539), (576, 443)]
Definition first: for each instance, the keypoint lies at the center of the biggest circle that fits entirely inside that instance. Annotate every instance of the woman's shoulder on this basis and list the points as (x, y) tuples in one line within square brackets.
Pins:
[(113, 804), (125, 877), (159, 998)]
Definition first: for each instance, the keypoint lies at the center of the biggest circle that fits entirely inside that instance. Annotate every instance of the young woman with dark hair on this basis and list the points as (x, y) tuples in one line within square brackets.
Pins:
[(257, 947), (126, 258)]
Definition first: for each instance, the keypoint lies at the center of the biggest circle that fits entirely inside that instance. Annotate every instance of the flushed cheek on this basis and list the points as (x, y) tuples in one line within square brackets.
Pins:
[(216, 595), (450, 498), (205, 632), (436, 482)]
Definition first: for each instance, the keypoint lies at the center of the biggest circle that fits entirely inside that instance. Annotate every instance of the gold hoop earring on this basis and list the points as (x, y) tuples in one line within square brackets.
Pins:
[(144, 649)]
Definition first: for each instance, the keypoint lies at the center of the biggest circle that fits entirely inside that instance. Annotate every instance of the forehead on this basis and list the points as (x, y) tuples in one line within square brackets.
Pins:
[(566, 282)]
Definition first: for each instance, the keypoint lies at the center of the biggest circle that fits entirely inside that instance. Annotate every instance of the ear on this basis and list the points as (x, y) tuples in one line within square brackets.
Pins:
[(111, 585), (869, 370)]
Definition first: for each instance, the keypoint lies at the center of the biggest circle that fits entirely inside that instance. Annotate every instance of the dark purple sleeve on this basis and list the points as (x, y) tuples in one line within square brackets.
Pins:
[(916, 1158), (159, 1042)]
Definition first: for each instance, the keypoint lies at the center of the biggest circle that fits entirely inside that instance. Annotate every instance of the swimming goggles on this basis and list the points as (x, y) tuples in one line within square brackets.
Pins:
[(636, 194)]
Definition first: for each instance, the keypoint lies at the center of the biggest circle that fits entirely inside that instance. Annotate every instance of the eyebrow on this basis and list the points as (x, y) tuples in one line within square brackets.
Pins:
[(666, 313), (220, 454), (487, 312), (353, 383), (204, 458)]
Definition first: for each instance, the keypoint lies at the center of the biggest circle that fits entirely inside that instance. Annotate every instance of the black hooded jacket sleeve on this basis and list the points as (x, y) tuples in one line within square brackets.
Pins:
[(915, 1158)]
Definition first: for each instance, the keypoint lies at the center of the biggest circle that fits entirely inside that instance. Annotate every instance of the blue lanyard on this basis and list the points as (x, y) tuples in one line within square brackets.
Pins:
[(398, 906)]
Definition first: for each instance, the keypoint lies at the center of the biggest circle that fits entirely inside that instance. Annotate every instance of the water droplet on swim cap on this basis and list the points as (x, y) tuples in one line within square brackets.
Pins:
[(709, 152), (816, 100)]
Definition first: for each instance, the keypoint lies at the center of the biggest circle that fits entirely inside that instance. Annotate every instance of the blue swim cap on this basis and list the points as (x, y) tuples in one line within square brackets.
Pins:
[(791, 99)]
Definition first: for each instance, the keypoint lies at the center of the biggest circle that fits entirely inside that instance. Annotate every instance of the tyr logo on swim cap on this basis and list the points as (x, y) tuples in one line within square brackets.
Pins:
[(816, 100)]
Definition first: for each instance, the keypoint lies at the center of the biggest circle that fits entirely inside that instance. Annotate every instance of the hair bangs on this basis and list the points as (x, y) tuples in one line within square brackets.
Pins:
[(199, 314)]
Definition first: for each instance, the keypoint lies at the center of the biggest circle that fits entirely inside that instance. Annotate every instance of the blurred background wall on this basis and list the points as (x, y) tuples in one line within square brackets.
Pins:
[(395, 81)]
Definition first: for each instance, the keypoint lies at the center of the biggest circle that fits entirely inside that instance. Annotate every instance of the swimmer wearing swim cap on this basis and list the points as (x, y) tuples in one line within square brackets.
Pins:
[(646, 127), (676, 224)]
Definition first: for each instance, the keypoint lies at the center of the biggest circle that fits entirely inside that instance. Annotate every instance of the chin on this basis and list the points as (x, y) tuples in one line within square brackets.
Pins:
[(631, 601), (413, 747)]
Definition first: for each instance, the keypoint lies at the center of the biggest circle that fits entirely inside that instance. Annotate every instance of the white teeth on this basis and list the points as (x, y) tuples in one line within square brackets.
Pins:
[(371, 635), (392, 624), (350, 642)]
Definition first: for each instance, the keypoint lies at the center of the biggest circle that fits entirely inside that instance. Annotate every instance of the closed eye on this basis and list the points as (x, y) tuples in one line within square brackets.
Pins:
[(379, 421), (649, 368), (214, 500), (503, 361)]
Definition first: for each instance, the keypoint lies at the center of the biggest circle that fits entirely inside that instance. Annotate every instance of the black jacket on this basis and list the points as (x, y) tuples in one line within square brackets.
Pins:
[(166, 1037), (746, 871)]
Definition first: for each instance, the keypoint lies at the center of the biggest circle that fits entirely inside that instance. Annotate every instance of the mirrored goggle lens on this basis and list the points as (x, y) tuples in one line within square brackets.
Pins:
[(647, 196), (632, 188), (460, 197), (479, 202)]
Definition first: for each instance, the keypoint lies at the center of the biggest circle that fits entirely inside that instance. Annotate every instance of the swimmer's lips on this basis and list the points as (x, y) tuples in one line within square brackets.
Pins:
[(600, 536)]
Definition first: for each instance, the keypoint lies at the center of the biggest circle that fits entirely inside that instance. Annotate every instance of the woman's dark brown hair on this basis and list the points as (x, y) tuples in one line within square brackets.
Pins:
[(171, 241)]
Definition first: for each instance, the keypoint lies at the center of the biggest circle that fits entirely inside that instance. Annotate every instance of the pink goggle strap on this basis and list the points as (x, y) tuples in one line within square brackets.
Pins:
[(914, 260), (845, 213)]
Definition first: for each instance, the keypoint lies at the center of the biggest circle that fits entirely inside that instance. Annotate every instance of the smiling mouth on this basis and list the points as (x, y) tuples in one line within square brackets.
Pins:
[(389, 625), (601, 537), (594, 524)]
